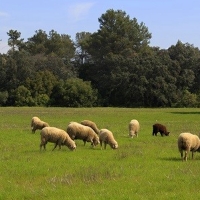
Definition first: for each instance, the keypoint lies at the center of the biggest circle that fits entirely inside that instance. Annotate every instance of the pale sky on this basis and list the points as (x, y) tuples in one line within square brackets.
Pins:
[(167, 20)]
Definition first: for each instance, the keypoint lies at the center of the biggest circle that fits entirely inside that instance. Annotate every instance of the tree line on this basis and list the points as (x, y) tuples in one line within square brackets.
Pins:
[(115, 66)]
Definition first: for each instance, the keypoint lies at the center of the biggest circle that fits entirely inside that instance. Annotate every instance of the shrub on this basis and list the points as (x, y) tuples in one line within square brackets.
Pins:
[(22, 97), (187, 100), (74, 93), (3, 98)]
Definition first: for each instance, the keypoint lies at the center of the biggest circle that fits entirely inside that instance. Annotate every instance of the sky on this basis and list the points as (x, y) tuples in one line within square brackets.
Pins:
[(167, 20)]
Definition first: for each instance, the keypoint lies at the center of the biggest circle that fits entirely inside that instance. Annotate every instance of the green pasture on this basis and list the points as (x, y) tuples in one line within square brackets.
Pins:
[(147, 167)]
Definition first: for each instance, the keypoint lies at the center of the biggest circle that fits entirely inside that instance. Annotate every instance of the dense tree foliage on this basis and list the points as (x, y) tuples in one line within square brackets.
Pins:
[(114, 66), (74, 92)]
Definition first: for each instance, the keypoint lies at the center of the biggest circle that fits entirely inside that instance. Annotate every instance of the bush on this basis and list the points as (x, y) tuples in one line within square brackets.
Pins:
[(22, 97), (74, 93), (187, 100), (42, 100), (3, 98)]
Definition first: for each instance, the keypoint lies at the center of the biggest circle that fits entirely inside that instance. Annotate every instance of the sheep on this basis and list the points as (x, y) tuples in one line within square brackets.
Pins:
[(106, 137), (134, 128), (36, 123), (160, 128), (85, 133), (188, 142), (57, 136), (91, 124)]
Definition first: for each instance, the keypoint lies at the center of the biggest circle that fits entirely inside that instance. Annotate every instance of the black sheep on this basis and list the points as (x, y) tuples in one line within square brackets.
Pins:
[(160, 128)]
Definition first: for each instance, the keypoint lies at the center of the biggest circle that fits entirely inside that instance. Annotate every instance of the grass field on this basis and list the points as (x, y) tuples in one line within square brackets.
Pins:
[(146, 167)]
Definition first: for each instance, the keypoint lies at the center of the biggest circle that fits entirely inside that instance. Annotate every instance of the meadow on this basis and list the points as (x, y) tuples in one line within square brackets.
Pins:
[(147, 167)]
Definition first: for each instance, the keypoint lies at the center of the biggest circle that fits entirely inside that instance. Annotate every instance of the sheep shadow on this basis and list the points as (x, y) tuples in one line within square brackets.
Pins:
[(174, 159), (47, 150), (187, 113)]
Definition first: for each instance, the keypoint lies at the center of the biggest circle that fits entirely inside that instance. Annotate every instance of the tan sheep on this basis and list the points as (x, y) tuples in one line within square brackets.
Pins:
[(106, 137), (91, 124), (85, 133), (188, 142), (36, 123), (134, 128), (57, 136)]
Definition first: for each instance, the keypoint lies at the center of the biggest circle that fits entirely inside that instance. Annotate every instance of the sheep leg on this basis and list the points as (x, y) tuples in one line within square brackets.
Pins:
[(92, 143), (44, 146), (33, 130), (104, 145), (131, 135), (101, 144), (186, 153), (181, 154), (192, 154), (84, 142), (43, 143), (59, 144), (55, 146), (155, 132)]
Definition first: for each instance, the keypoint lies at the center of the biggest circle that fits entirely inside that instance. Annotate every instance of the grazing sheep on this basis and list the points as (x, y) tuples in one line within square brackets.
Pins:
[(36, 123), (57, 136), (85, 133), (106, 137), (188, 142), (160, 128), (134, 128), (91, 124)]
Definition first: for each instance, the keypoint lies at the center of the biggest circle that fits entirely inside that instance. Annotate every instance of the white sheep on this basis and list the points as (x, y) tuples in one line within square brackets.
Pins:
[(57, 136), (85, 133), (106, 137), (36, 123), (91, 124), (134, 128), (188, 142)]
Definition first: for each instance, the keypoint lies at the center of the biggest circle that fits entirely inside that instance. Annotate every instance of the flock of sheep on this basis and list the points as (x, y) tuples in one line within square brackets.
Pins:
[(88, 132)]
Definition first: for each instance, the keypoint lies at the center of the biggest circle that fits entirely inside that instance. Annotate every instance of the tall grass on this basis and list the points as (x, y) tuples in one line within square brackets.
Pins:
[(146, 167)]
